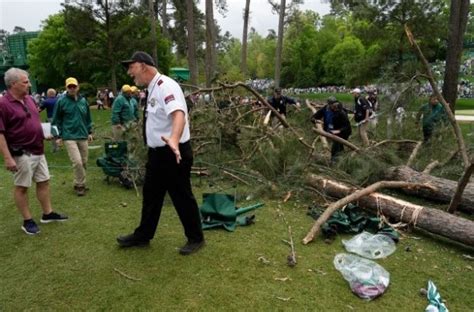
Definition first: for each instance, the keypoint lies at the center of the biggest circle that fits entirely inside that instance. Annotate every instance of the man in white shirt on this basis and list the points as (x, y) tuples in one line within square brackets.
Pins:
[(170, 157)]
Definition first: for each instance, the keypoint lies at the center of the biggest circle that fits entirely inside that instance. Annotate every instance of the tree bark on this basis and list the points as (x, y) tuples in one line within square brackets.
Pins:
[(164, 19), (458, 17), (154, 43), (192, 62), (355, 196), (243, 62), (432, 220), (210, 43), (456, 200), (279, 47), (445, 188), (337, 139), (412, 157)]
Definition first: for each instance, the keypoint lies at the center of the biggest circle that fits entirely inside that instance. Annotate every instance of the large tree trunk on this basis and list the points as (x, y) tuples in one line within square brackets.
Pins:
[(154, 42), (192, 62), (164, 19), (458, 17), (279, 47), (210, 43), (432, 220), (243, 62), (445, 188)]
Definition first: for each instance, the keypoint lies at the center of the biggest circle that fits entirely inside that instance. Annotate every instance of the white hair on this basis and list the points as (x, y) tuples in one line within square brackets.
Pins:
[(13, 75)]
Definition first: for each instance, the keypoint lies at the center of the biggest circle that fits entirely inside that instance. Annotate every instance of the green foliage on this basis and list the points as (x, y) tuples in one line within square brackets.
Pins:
[(229, 61), (301, 51), (92, 52), (341, 62), (261, 56), (49, 53)]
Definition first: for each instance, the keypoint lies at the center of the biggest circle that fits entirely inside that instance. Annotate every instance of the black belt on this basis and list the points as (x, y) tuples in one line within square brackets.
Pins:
[(161, 148)]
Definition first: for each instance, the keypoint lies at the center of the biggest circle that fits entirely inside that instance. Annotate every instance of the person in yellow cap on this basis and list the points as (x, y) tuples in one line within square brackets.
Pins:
[(122, 112), (73, 119), (134, 100)]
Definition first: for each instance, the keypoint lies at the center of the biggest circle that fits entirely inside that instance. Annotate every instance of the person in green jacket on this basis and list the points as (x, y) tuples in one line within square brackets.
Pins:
[(134, 100), (122, 112), (433, 115), (72, 117)]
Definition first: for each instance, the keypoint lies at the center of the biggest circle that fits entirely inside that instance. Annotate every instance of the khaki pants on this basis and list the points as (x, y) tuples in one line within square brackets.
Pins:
[(362, 128), (78, 153)]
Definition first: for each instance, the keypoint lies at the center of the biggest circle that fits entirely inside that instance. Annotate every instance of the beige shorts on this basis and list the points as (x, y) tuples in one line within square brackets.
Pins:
[(30, 167)]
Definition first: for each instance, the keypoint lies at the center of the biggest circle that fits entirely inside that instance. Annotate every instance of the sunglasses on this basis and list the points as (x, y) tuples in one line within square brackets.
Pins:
[(26, 110), (71, 87)]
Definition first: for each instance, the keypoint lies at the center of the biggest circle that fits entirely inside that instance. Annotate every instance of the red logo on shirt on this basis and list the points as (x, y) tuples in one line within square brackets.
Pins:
[(159, 82), (169, 98)]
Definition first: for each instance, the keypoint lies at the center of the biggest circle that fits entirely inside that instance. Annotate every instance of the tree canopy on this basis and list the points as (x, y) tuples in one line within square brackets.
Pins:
[(358, 43)]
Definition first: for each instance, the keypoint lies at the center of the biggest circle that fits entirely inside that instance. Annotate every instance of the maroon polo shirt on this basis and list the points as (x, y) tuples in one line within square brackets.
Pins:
[(21, 124)]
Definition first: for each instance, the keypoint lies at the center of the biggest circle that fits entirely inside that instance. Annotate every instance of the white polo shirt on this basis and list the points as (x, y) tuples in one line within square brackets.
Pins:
[(164, 97)]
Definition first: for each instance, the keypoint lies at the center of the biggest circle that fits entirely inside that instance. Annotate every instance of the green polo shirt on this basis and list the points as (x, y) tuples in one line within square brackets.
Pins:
[(73, 118)]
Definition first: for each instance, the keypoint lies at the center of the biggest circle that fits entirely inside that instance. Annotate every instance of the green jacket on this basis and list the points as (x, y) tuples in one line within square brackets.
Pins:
[(122, 110), (134, 104), (73, 118), (433, 115)]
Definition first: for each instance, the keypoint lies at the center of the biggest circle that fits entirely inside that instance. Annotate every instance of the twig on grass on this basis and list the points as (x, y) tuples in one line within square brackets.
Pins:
[(126, 275)]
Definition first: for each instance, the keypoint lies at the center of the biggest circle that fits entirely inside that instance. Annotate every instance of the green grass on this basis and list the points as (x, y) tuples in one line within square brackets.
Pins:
[(72, 265)]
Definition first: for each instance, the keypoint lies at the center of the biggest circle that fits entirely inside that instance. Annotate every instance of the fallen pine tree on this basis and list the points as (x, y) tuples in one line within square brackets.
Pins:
[(432, 220), (445, 188)]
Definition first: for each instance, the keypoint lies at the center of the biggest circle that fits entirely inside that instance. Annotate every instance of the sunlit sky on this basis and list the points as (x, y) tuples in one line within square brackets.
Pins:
[(29, 14)]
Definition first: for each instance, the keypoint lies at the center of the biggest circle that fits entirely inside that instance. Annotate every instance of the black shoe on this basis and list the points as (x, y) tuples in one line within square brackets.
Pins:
[(191, 247), (53, 217), (131, 240)]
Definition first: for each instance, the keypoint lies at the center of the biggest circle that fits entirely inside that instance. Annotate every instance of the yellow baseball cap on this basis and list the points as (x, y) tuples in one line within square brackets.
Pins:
[(71, 81), (126, 88), (134, 89)]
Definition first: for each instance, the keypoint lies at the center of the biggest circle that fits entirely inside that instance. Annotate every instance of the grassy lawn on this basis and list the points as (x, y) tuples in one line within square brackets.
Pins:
[(76, 265)]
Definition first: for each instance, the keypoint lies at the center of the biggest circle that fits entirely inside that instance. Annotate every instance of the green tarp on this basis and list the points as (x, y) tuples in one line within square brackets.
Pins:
[(219, 210)]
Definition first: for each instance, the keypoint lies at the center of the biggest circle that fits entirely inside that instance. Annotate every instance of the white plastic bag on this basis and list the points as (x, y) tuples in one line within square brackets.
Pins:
[(370, 246), (366, 278)]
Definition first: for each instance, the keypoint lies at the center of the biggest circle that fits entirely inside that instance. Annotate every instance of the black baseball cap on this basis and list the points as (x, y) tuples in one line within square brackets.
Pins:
[(139, 57)]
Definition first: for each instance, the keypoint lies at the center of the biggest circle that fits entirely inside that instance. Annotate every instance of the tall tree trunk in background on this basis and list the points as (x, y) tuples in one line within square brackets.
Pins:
[(192, 63), (243, 62), (113, 74), (164, 19), (458, 17), (279, 47), (154, 43), (210, 43)]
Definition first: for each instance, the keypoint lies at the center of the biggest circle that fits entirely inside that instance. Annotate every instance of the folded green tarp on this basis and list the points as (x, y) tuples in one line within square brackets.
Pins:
[(353, 219), (219, 210)]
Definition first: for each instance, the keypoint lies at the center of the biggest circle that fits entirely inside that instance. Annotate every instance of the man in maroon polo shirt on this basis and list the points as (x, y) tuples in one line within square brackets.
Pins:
[(21, 144)]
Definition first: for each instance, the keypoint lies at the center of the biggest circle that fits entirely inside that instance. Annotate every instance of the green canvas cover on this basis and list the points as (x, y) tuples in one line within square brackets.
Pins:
[(353, 219), (115, 158), (219, 210)]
